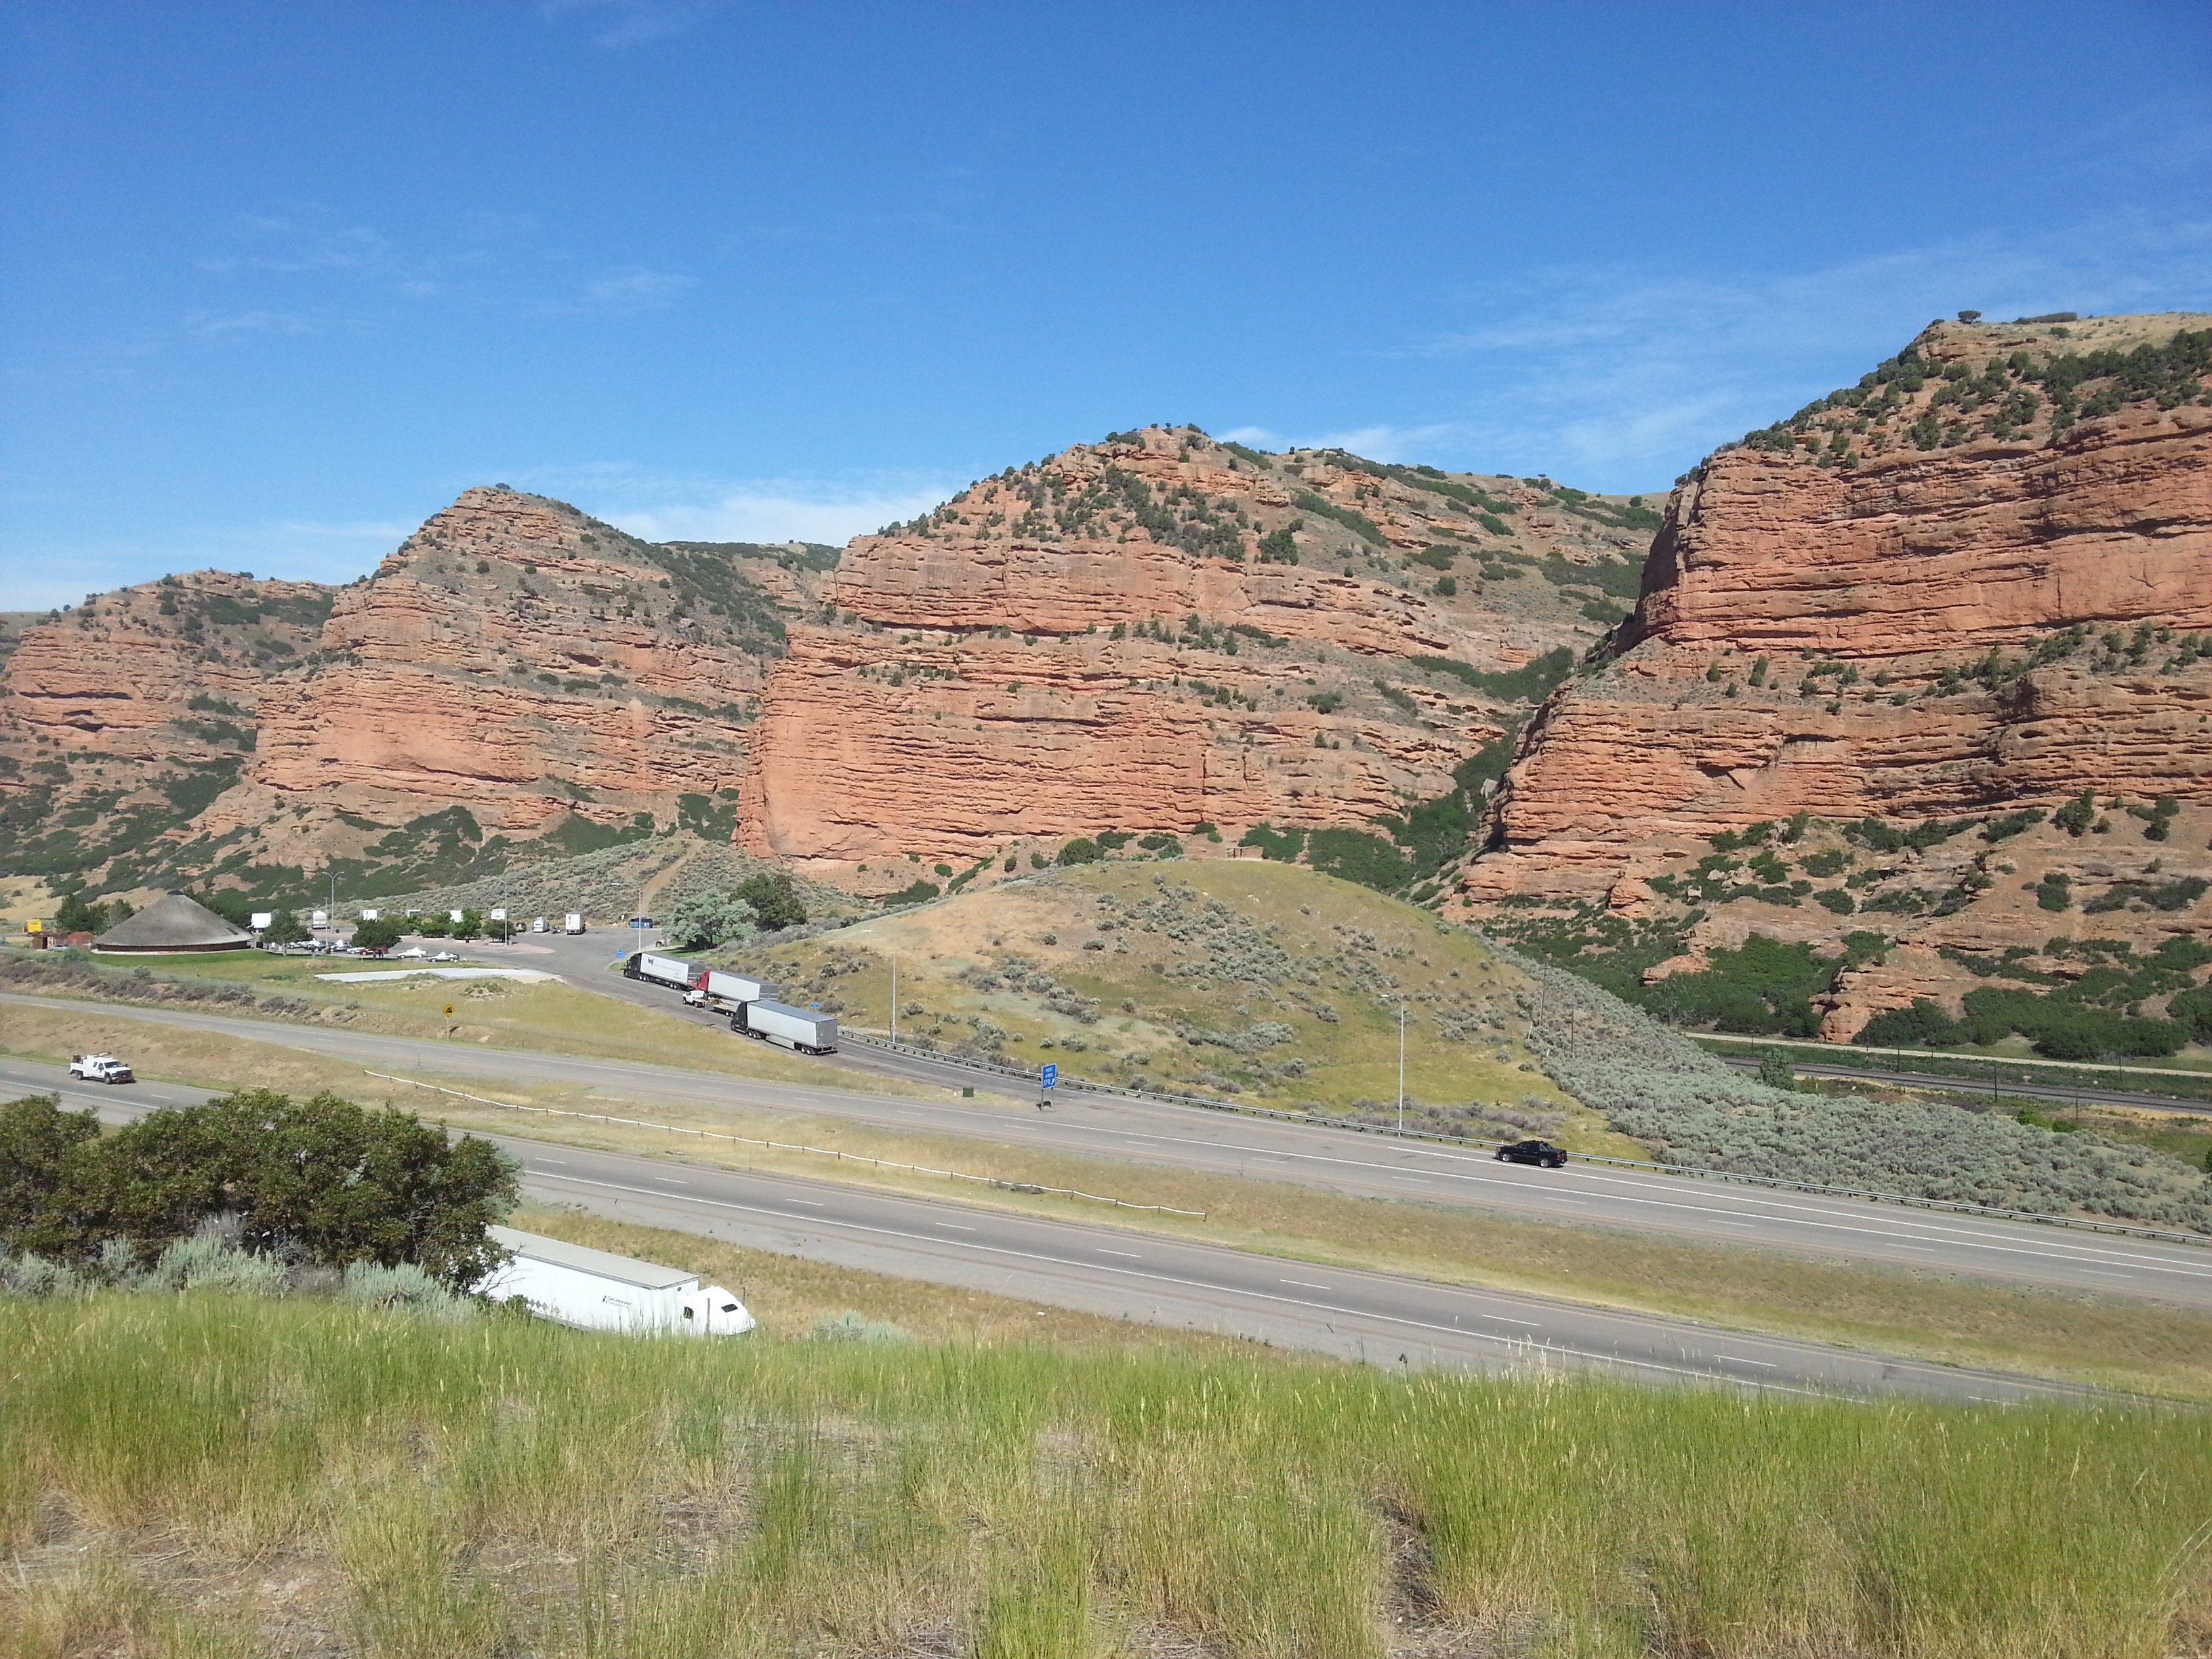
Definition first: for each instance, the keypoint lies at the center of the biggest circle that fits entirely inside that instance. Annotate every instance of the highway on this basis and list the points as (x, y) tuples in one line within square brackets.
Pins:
[(1382, 1319), (1138, 1134)]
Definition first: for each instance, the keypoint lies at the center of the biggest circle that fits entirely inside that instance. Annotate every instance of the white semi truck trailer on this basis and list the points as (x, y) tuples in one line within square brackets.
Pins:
[(597, 1291), (660, 971), (573, 923), (716, 989), (787, 1027)]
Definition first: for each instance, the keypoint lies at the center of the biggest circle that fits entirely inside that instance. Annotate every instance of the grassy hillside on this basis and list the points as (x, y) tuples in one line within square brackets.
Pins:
[(1263, 980), (208, 1475), (1281, 987)]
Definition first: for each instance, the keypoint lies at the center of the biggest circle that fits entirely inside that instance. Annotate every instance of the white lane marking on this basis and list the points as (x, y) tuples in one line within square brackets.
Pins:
[(1132, 1254), (2106, 1273), (1718, 1221), (1307, 1284), (954, 1225), (552, 1160), (672, 1180), (810, 1203), (1738, 1360), (1500, 1319)]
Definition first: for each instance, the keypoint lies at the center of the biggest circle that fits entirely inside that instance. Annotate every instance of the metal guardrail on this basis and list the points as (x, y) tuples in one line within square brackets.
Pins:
[(1208, 1104)]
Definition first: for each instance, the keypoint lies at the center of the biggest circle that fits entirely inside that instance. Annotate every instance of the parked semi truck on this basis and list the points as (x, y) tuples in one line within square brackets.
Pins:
[(787, 1027), (574, 923), (659, 970), (715, 988)]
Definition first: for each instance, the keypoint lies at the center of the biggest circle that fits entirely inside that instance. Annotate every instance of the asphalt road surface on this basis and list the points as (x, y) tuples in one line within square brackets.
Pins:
[(1137, 1133), (1382, 1319)]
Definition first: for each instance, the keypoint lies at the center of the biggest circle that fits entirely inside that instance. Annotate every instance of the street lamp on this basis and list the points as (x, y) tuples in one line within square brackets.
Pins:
[(1401, 1068)]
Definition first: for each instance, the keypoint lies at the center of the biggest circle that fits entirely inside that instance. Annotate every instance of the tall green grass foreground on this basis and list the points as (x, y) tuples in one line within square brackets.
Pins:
[(205, 1474)]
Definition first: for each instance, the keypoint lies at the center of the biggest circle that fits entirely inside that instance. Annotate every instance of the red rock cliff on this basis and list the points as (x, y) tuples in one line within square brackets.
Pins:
[(1848, 624), (1145, 634)]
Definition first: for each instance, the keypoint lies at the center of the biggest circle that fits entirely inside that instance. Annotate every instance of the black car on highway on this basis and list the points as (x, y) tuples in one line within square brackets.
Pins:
[(1540, 1152)]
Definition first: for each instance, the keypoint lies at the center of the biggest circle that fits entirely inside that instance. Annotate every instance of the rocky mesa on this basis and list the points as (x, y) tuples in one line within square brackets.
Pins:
[(1161, 632), (1974, 590)]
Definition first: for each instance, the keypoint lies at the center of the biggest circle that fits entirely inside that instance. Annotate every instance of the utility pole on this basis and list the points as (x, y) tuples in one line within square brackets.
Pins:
[(894, 998), (1401, 1068)]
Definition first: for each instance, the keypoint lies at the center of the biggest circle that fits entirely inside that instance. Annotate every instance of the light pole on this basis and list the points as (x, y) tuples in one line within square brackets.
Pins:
[(1401, 1068), (895, 998)]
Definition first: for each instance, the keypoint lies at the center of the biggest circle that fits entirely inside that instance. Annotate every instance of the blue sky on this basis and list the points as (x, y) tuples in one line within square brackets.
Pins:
[(280, 279)]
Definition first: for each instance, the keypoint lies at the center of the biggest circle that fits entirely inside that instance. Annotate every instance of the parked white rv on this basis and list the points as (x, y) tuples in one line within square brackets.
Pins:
[(538, 924), (596, 1290), (787, 1027)]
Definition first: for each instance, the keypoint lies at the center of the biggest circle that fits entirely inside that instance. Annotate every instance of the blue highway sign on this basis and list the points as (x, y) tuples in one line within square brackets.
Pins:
[(1051, 1076)]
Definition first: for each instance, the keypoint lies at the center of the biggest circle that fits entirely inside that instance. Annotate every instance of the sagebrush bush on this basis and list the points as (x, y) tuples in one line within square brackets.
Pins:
[(1656, 1085)]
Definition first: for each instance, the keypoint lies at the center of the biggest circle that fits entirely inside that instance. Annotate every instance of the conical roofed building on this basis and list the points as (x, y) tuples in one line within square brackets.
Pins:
[(175, 926)]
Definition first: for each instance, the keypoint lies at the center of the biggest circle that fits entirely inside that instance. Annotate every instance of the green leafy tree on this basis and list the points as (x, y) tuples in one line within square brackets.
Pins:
[(320, 1179), (378, 934), (284, 927), (43, 1165), (706, 920), (1774, 1071), (1081, 850), (470, 926), (774, 897), (2077, 817)]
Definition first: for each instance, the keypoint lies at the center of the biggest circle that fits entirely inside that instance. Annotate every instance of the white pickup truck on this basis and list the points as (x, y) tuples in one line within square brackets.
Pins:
[(100, 1068)]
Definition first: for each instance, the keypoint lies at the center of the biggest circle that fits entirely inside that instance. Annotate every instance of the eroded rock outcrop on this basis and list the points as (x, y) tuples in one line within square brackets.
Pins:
[(1972, 589), (1159, 632)]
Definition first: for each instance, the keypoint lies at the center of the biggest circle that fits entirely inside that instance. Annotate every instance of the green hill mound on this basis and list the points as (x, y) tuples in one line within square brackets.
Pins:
[(1274, 985), (1266, 982)]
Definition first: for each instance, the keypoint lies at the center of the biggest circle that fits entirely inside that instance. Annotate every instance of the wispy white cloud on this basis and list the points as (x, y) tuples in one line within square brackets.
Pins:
[(633, 23), (1403, 444), (664, 508), (217, 325), (1621, 377), (295, 549), (620, 293)]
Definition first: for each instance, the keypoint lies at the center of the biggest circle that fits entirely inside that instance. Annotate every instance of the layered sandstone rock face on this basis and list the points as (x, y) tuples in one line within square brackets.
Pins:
[(1991, 624), (1153, 634), (519, 659), (514, 660), (138, 674), (1156, 633), (123, 717)]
